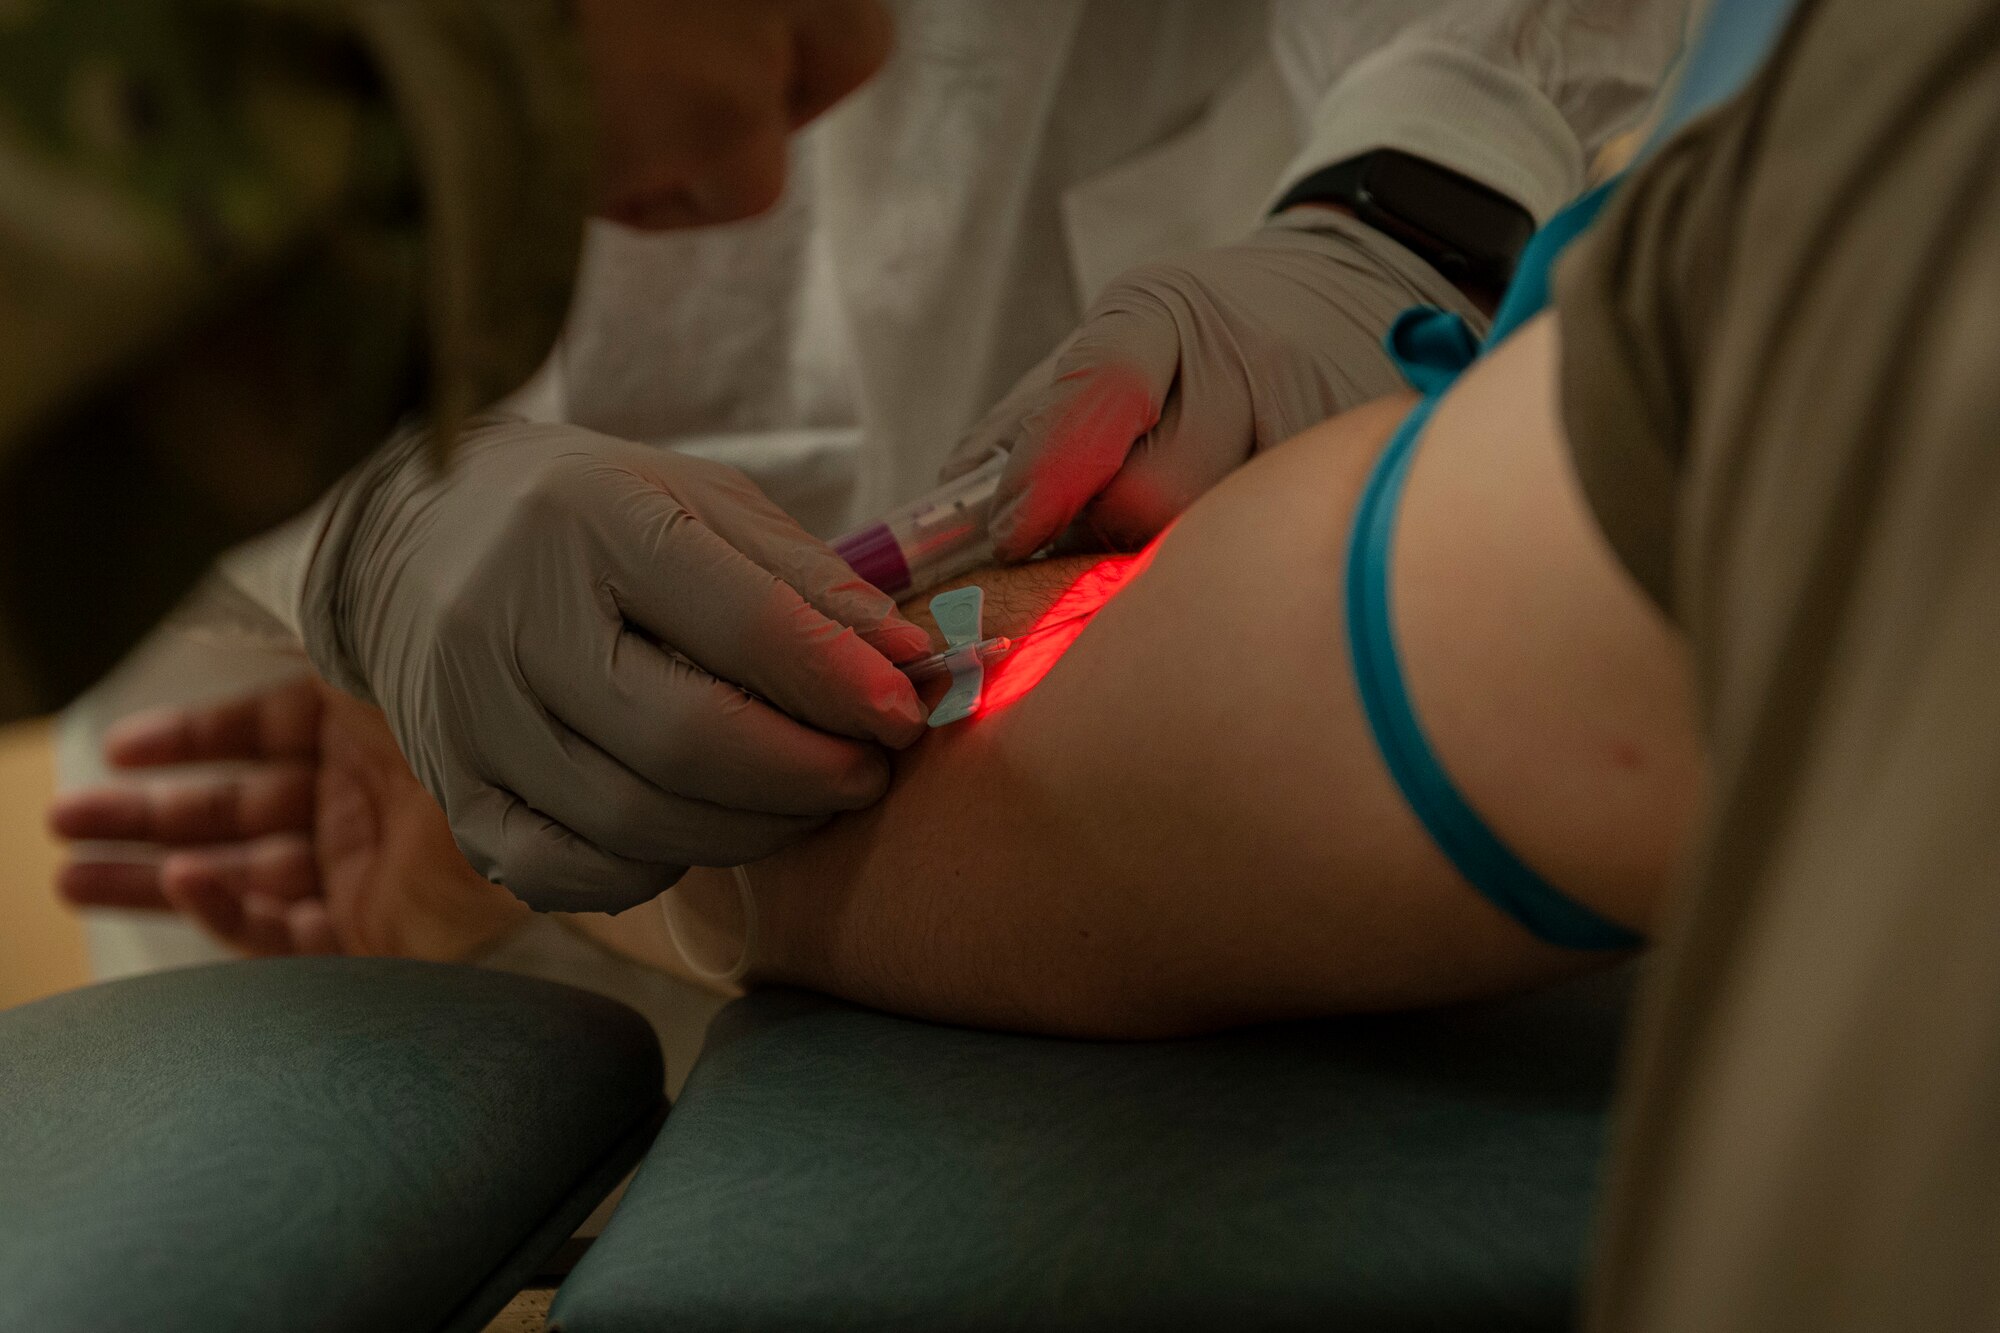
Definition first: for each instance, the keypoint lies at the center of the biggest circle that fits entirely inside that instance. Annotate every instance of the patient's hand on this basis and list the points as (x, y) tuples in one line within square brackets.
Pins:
[(318, 840)]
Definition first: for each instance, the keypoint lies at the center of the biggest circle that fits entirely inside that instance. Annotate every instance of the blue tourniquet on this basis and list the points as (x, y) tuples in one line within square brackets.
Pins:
[(1432, 348)]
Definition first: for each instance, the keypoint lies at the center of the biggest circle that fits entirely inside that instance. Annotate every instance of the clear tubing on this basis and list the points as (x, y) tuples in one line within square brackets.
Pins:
[(939, 664), (930, 540)]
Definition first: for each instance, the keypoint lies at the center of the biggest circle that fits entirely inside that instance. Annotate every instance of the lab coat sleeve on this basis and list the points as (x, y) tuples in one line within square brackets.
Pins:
[(1517, 94), (258, 589), (269, 577), (239, 240)]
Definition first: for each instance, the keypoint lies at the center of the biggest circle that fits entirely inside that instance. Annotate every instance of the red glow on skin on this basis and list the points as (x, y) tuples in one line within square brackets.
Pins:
[(1037, 650)]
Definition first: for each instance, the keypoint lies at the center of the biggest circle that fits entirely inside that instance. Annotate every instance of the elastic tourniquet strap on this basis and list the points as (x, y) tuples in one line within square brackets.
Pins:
[(1433, 347)]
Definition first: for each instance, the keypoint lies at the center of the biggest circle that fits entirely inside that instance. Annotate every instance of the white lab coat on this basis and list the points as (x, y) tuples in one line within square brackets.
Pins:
[(945, 227), (939, 233), (948, 224)]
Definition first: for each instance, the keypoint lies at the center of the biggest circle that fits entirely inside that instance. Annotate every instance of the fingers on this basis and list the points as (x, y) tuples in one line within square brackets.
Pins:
[(280, 723), (279, 867), (830, 587), (680, 729), (1069, 449), (223, 915), (687, 586), (774, 541), (266, 929), (273, 928), (1110, 384), (1161, 477), (124, 885), (241, 840), (311, 927), (570, 782), (547, 865), (274, 799), (251, 896), (242, 895)]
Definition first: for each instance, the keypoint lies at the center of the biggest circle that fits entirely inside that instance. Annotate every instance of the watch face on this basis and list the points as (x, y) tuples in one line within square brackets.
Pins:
[(1460, 215)]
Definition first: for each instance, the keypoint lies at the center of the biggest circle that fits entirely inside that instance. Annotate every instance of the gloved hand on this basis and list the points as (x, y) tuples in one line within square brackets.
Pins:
[(562, 630), (1185, 368)]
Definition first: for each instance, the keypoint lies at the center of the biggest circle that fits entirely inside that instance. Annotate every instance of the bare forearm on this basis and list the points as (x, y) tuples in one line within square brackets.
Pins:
[(1187, 825), (1130, 850)]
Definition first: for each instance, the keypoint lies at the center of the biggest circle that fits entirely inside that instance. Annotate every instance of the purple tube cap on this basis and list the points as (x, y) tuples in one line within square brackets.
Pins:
[(875, 555)]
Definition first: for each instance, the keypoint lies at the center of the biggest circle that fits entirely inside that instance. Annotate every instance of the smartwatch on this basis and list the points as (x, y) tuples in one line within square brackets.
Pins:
[(1470, 233)]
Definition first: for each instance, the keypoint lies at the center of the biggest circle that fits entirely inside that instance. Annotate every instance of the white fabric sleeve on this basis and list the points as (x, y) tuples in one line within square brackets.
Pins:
[(1516, 94), (259, 587), (263, 580)]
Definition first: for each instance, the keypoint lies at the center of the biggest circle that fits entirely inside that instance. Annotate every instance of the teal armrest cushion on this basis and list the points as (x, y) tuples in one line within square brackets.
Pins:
[(305, 1144), (832, 1168)]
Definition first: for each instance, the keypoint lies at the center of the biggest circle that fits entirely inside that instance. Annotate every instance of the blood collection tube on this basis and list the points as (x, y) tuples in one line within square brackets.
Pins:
[(929, 540)]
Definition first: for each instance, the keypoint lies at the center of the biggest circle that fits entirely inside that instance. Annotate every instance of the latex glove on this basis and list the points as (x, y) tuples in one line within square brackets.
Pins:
[(562, 631), (1185, 368)]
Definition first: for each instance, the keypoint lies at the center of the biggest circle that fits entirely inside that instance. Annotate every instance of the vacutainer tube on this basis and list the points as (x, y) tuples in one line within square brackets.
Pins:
[(929, 540)]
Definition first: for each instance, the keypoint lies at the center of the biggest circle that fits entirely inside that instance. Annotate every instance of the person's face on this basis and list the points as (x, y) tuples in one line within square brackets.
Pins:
[(696, 98)]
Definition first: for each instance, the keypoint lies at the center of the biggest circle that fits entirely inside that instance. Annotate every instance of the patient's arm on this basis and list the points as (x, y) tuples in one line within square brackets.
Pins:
[(1186, 824)]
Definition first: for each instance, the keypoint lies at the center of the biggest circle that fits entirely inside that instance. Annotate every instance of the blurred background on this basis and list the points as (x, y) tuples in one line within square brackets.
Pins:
[(41, 941)]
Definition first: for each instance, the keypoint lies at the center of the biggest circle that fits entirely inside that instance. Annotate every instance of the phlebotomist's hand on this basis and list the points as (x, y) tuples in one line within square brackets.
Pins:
[(607, 662), (1185, 368)]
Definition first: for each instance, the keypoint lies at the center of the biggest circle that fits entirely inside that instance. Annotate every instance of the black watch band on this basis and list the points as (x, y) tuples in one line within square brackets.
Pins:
[(1469, 232)]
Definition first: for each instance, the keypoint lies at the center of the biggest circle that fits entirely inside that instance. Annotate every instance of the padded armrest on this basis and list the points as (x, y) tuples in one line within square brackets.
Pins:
[(832, 1168), (306, 1144)]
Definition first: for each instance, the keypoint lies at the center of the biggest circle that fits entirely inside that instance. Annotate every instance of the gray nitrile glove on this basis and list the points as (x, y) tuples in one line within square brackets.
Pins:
[(607, 662), (1185, 368)]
